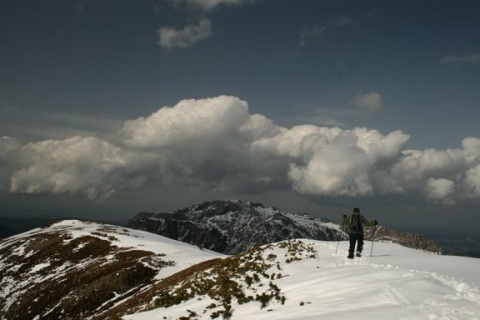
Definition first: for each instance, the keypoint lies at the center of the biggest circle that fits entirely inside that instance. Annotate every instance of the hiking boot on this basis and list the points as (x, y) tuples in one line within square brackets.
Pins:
[(350, 256), (359, 254)]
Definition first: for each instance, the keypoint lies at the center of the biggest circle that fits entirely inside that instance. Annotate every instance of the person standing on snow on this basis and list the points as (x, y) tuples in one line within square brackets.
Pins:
[(353, 225)]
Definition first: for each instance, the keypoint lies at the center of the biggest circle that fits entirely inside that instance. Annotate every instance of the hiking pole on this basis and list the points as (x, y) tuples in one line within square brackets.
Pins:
[(340, 238), (373, 239)]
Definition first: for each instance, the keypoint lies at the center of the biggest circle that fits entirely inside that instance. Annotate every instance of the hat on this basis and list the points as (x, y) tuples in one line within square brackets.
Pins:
[(356, 210)]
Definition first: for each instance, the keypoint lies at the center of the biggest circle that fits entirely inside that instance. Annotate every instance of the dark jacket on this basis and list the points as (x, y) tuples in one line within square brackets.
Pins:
[(363, 221)]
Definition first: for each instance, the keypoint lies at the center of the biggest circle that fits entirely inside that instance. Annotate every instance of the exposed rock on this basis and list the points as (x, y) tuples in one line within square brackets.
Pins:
[(232, 226)]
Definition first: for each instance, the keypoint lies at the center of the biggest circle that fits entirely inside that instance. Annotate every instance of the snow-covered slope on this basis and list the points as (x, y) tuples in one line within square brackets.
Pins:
[(76, 270), (80, 270), (395, 283)]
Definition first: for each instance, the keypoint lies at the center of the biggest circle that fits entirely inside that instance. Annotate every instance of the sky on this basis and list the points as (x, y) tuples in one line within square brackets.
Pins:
[(109, 108)]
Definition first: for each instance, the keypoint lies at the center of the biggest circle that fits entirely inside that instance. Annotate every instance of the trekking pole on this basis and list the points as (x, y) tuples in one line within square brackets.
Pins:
[(373, 239), (338, 244), (340, 238)]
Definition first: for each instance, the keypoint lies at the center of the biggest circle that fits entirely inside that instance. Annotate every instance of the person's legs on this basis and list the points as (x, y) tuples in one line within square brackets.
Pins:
[(351, 249), (360, 244)]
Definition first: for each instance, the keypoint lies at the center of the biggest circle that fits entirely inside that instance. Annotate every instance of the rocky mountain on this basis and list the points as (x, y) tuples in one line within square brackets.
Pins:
[(232, 226)]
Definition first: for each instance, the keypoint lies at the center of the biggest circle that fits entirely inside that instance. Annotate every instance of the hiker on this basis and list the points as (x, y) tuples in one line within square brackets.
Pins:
[(353, 225)]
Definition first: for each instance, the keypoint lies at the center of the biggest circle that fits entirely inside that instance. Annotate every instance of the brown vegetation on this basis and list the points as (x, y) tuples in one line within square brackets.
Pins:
[(76, 279)]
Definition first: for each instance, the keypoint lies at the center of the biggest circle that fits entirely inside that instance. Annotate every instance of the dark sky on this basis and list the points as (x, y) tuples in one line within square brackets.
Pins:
[(108, 108)]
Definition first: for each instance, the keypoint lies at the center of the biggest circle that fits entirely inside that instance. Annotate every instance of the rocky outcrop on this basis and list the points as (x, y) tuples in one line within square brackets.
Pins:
[(232, 226)]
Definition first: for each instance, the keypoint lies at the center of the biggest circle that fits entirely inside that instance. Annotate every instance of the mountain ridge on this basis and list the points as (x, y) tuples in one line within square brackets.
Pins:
[(75, 269), (231, 226), (90, 271)]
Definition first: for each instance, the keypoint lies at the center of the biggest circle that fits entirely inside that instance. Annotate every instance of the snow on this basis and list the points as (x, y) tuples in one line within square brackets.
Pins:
[(394, 283), (185, 255), (39, 267)]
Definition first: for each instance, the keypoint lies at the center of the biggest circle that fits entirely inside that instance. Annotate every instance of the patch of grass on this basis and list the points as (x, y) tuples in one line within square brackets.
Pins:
[(88, 277), (78, 278), (230, 278)]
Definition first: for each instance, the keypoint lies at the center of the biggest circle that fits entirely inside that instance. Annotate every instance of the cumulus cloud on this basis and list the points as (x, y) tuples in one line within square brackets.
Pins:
[(332, 161), (369, 103), (75, 165), (473, 181), (440, 190), (205, 142), (190, 35), (216, 143)]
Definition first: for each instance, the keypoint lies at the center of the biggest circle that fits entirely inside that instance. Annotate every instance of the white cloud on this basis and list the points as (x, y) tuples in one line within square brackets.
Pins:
[(472, 181), (190, 35), (332, 161), (187, 123), (471, 149), (468, 59), (440, 190), (75, 165), (215, 143), (10, 159), (368, 103), (204, 142)]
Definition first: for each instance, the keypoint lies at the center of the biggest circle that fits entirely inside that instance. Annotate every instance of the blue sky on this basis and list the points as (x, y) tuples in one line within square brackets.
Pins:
[(370, 103)]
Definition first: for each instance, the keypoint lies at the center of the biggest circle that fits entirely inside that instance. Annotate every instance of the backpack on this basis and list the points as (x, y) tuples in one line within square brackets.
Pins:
[(355, 224)]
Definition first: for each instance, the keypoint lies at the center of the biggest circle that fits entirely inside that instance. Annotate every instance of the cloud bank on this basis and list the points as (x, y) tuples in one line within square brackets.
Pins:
[(217, 144)]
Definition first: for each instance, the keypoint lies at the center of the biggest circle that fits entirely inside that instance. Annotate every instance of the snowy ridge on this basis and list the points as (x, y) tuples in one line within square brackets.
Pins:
[(74, 269), (80, 270), (232, 226), (305, 279)]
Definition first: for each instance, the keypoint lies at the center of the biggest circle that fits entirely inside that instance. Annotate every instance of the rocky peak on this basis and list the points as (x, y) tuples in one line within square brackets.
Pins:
[(231, 226)]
